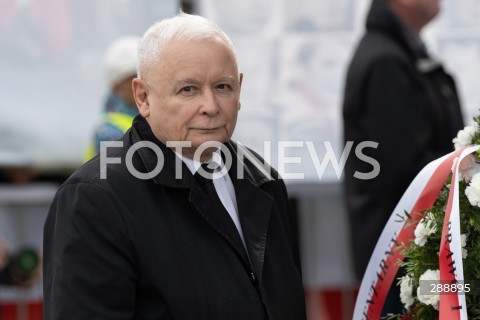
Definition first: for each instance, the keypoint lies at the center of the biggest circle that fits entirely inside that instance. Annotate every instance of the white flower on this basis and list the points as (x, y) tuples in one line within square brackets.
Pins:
[(424, 228), (468, 168), (406, 290), (464, 137), (464, 243), (429, 299), (473, 190)]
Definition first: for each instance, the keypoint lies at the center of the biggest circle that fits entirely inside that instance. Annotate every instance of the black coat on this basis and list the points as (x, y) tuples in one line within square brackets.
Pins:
[(126, 248), (397, 96)]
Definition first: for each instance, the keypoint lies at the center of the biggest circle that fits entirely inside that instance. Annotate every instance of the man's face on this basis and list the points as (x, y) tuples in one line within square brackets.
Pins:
[(192, 93), (426, 10)]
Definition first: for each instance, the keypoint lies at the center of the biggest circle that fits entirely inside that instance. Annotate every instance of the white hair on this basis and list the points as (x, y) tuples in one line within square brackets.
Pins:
[(182, 27)]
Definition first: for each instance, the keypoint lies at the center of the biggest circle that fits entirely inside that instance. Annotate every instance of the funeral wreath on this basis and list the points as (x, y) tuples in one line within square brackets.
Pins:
[(422, 287)]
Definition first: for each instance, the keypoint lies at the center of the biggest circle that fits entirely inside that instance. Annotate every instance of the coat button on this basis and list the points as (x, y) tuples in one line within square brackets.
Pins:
[(252, 277)]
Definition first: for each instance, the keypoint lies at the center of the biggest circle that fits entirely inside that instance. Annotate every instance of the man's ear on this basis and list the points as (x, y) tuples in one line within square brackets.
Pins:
[(240, 79), (140, 93)]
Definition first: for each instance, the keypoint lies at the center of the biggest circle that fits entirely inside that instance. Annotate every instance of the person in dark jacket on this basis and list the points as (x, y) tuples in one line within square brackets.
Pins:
[(398, 96), (176, 221)]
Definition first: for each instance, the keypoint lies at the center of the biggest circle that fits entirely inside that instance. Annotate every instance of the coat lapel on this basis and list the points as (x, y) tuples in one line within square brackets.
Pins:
[(215, 214), (255, 207)]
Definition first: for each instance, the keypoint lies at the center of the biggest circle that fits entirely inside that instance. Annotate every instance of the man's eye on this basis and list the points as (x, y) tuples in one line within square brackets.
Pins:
[(187, 89), (223, 86)]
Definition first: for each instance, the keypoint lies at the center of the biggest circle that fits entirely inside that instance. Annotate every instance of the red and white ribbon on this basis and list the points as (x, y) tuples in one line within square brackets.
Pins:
[(383, 267), (453, 306)]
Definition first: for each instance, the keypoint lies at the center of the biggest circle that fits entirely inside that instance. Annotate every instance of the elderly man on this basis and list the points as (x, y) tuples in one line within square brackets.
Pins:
[(138, 233), (399, 97)]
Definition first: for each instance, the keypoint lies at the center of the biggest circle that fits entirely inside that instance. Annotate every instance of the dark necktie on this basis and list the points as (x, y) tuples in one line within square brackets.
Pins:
[(205, 173)]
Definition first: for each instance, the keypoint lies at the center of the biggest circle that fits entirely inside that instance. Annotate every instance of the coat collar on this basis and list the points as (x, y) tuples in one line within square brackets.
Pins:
[(246, 164)]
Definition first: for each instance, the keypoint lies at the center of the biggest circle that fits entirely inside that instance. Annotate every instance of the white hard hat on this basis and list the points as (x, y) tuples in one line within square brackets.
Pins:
[(121, 59)]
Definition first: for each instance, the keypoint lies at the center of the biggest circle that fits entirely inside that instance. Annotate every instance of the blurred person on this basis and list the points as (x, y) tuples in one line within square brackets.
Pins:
[(172, 243), (398, 96), (120, 66)]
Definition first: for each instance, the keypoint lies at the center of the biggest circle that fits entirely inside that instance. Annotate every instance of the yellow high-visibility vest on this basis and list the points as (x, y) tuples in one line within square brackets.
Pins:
[(119, 120)]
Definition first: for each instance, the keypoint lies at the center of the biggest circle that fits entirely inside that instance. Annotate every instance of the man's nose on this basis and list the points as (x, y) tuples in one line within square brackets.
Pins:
[(209, 103)]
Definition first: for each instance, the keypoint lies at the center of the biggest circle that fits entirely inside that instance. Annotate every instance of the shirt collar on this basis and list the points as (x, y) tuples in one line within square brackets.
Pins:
[(193, 165)]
